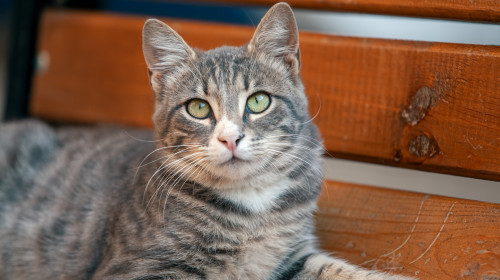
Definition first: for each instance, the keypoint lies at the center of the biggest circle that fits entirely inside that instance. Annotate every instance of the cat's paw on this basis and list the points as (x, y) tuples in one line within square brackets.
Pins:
[(361, 274), (385, 276), (328, 268)]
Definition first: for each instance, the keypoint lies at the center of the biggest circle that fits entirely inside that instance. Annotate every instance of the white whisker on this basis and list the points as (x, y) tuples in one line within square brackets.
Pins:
[(162, 167), (170, 166), (173, 185)]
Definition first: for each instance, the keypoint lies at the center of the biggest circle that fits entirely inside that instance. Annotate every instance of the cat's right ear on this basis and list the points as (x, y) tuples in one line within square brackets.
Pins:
[(164, 51)]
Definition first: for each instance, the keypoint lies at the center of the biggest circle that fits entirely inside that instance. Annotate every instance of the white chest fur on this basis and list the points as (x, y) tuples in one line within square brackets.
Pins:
[(257, 197)]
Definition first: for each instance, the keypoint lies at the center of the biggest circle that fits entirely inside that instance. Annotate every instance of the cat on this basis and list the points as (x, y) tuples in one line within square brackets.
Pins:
[(225, 187)]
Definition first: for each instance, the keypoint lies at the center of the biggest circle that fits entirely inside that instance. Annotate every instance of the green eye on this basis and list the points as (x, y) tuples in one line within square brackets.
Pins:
[(258, 102), (198, 108)]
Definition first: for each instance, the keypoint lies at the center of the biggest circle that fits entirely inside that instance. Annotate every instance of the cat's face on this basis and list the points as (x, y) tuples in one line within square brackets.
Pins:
[(230, 113)]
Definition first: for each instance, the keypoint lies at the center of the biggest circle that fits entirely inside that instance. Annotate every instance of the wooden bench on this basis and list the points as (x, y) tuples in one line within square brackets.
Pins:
[(420, 105)]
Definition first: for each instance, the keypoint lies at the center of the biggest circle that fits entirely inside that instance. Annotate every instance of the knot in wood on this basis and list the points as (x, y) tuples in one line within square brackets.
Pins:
[(423, 146), (419, 105)]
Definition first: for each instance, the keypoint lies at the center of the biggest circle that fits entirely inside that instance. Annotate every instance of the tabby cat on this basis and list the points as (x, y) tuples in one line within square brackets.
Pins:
[(225, 189)]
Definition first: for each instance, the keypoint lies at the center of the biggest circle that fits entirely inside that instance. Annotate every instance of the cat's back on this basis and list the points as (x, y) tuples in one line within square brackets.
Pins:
[(25, 149), (37, 157), (57, 187)]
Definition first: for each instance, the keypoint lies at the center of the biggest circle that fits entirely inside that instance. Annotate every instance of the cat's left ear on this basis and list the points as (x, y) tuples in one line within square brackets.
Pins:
[(278, 36)]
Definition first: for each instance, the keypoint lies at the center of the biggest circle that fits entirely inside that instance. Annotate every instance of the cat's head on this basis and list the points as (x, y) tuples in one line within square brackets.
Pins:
[(231, 113)]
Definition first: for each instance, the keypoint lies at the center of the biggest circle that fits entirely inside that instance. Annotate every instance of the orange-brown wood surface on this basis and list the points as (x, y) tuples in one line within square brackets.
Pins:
[(481, 10), (431, 106), (429, 237)]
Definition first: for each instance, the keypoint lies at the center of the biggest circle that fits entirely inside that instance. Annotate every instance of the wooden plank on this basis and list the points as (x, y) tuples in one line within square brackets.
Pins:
[(478, 10), (96, 69), (429, 237), (430, 106)]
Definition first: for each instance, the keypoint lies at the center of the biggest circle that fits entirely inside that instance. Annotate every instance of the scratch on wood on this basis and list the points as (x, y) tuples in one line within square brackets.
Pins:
[(490, 277), (478, 146), (466, 250), (494, 140), (437, 235), (407, 238), (482, 251), (350, 244)]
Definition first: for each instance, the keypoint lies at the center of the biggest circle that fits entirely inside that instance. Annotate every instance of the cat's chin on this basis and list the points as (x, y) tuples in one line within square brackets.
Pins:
[(235, 168)]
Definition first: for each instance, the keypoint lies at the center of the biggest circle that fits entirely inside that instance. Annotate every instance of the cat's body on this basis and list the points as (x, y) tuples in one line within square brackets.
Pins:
[(82, 214), (58, 200), (226, 190)]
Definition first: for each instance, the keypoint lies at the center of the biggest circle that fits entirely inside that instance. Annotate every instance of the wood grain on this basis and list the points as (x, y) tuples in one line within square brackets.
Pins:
[(430, 106), (479, 10), (429, 237)]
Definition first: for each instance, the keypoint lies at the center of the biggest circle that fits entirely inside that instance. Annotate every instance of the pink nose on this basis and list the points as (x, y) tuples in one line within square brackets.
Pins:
[(231, 141)]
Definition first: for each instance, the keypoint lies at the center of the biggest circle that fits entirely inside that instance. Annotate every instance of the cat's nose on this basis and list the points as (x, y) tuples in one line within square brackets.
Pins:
[(231, 141)]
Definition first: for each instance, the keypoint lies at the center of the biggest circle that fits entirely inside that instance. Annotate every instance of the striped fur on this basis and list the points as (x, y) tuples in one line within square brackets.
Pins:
[(114, 203)]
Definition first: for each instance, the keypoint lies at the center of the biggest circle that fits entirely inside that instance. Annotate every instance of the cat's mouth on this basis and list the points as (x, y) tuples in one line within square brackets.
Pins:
[(234, 160)]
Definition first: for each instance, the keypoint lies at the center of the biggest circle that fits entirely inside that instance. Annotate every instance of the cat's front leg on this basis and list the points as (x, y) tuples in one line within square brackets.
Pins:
[(323, 267)]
